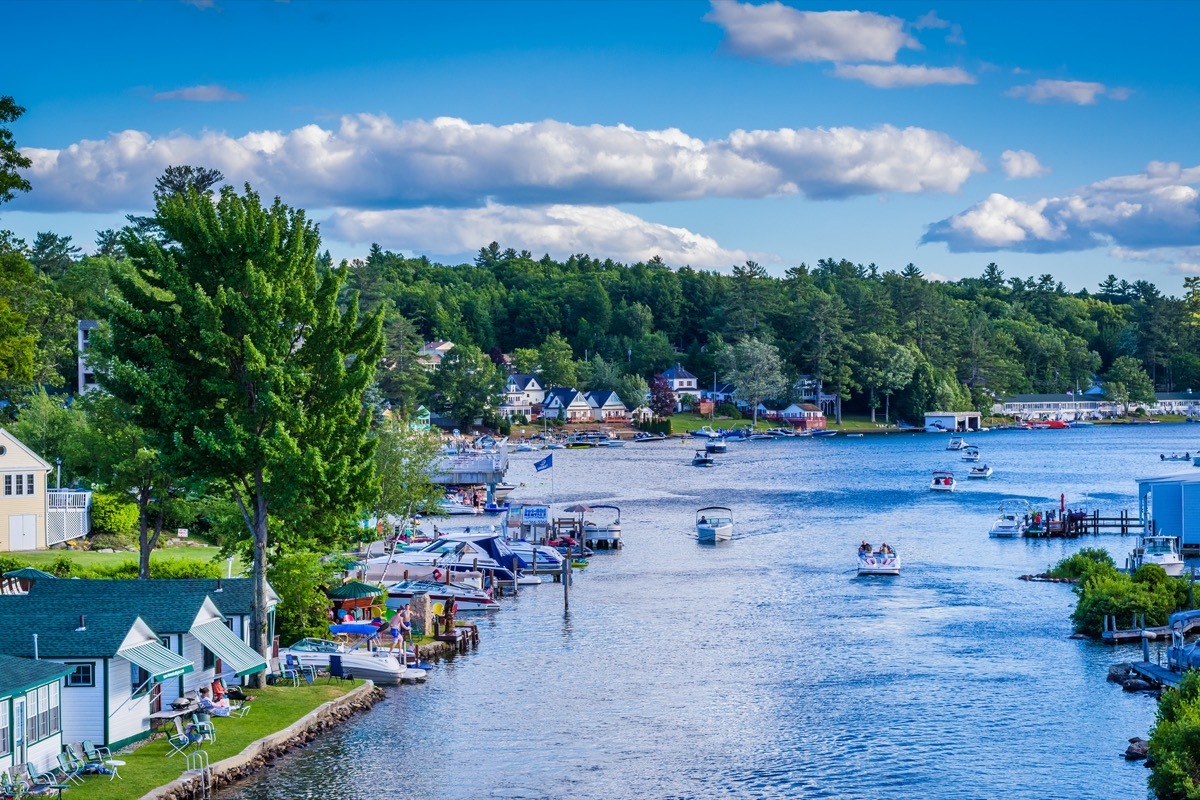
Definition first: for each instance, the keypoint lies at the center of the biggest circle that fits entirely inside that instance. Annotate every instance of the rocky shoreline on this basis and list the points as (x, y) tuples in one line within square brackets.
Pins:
[(262, 752)]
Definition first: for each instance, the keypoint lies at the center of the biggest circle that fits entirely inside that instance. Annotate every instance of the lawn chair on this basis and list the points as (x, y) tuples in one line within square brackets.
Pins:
[(239, 709), (336, 670), (35, 783), (179, 741), (67, 771), (77, 754), (93, 753), (308, 671), (204, 726), (280, 673)]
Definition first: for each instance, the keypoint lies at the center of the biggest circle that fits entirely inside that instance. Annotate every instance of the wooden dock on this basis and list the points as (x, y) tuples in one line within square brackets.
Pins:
[(1074, 524), (1185, 623), (1156, 674)]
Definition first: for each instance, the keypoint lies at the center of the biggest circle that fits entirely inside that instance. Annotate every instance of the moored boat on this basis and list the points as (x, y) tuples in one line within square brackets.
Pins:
[(706, 432), (714, 524), (1011, 522), (468, 597), (1160, 550), (881, 561), (376, 665), (824, 433)]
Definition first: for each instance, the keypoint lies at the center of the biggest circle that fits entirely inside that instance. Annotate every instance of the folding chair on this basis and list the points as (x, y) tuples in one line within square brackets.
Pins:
[(204, 726), (307, 670), (37, 783), (336, 670), (68, 770), (93, 753), (179, 741)]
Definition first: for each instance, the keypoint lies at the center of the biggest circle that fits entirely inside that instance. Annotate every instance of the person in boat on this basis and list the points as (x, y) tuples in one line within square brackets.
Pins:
[(703, 520), (865, 547)]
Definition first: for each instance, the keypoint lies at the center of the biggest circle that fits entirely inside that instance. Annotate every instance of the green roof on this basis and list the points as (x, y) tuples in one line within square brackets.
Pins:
[(56, 626), (354, 590), (19, 675)]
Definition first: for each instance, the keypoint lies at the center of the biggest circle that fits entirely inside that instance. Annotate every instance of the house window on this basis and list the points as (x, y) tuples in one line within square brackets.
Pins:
[(8, 489), (84, 674), (139, 681), (20, 484), (210, 661), (5, 736), (29, 484), (31, 716)]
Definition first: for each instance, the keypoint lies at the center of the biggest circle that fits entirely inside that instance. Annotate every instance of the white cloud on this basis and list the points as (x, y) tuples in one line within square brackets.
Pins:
[(1082, 93), (783, 34), (373, 162), (1022, 164), (560, 230), (205, 93), (1181, 260), (1154, 210), (891, 76), (932, 20)]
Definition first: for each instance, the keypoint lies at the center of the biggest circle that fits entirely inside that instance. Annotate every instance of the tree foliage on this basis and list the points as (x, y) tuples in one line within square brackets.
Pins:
[(11, 159)]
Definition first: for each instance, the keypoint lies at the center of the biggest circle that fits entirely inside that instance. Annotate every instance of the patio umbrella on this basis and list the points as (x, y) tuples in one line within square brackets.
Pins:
[(354, 590), (27, 574), (578, 508)]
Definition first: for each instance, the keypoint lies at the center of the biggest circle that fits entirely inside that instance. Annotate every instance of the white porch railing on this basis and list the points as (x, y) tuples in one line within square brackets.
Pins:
[(67, 516)]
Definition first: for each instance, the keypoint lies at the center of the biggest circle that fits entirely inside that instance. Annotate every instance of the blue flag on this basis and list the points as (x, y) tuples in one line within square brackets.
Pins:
[(545, 463)]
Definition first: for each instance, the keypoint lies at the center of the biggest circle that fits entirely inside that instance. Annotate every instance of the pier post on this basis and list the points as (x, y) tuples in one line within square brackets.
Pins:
[(1145, 647), (566, 582)]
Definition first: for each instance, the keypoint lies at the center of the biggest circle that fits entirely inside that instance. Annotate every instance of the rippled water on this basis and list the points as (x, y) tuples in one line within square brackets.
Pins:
[(764, 667)]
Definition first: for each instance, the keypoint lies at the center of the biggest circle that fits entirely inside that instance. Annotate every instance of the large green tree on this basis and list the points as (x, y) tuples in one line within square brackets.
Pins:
[(756, 371), (404, 460), (11, 159), (467, 384), (229, 345)]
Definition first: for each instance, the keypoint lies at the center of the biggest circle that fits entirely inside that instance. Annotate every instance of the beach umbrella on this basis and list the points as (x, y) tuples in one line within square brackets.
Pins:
[(354, 590), (578, 508), (27, 574)]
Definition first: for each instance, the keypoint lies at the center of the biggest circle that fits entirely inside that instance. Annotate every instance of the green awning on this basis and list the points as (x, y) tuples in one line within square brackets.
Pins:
[(28, 574), (160, 662), (233, 652), (354, 590)]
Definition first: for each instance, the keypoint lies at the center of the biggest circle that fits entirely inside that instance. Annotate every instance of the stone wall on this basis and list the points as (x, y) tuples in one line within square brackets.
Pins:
[(257, 754)]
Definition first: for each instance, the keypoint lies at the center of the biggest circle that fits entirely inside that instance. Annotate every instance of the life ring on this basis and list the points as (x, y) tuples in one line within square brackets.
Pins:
[(437, 575)]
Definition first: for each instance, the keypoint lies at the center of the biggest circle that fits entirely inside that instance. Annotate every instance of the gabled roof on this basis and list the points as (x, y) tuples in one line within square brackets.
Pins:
[(19, 675), (1177, 396), (105, 629), (603, 397), (677, 373), (6, 436), (522, 381), (168, 606), (563, 397)]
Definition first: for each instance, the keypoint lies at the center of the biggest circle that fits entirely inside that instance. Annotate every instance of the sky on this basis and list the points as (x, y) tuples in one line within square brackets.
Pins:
[(1047, 137)]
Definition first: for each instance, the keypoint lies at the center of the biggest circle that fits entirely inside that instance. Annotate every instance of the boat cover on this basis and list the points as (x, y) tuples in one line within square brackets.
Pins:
[(355, 628)]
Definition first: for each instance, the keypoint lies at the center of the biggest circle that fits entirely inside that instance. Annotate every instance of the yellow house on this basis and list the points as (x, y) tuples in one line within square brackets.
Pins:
[(23, 501)]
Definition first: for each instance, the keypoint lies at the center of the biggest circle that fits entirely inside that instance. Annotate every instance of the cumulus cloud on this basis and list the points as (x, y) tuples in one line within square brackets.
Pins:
[(1022, 164), (1155, 209), (373, 162), (891, 76), (557, 229), (783, 34), (1082, 93), (205, 93)]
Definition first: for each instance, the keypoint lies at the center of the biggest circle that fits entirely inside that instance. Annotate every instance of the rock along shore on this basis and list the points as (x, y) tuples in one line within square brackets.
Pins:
[(257, 754)]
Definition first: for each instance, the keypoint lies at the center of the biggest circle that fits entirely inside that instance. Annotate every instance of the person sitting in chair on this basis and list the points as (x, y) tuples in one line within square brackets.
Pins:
[(213, 708)]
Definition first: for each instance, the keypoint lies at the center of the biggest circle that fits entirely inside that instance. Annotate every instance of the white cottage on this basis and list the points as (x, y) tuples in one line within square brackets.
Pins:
[(30, 711), (523, 395), (607, 406), (568, 405)]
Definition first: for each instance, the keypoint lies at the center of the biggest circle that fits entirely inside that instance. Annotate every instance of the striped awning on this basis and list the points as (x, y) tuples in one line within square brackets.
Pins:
[(233, 652), (160, 662)]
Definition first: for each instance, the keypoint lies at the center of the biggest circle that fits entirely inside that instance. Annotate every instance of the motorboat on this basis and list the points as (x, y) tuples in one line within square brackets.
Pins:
[(703, 459), (454, 508), (1160, 550), (496, 508), (611, 443), (716, 446), (970, 453), (981, 471), (943, 481), (759, 436), (714, 524), (578, 440), (935, 427), (878, 561), (469, 598), (502, 491), (1175, 457), (644, 436), (539, 558), (488, 553), (357, 657), (706, 432), (824, 433), (1080, 423), (1011, 522), (528, 447), (957, 443)]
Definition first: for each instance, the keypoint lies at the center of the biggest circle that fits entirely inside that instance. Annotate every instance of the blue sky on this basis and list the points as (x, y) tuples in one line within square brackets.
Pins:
[(1047, 137)]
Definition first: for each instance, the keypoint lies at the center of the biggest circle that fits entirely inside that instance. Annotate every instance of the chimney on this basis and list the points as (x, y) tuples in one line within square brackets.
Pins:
[(82, 624), (219, 589)]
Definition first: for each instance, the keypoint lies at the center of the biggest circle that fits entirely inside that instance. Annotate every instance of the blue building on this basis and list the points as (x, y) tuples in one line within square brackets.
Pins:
[(1170, 505)]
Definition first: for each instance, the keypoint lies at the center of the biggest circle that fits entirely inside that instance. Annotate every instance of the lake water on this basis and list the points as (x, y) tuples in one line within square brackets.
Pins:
[(764, 667)]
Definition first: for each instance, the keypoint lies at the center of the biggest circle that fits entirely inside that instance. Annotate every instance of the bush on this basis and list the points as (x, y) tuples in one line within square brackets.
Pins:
[(1081, 564), (1107, 592), (115, 516), (727, 410), (299, 579), (662, 426), (9, 563), (1175, 742)]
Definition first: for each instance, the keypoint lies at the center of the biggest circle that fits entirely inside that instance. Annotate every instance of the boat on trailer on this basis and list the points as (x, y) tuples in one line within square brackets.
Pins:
[(878, 561), (714, 524)]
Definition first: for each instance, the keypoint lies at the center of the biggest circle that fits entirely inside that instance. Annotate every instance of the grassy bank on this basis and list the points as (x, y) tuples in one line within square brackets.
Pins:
[(43, 559), (148, 767)]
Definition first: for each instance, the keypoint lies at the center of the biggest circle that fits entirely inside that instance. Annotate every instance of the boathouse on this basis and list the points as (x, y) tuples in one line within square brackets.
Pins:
[(961, 421), (1170, 506), (30, 711)]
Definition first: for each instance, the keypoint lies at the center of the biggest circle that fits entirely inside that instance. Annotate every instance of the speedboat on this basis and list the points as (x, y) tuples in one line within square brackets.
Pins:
[(1011, 522), (716, 446), (487, 553), (357, 658), (1080, 423), (468, 597), (982, 471), (453, 508), (1160, 550), (706, 432), (527, 447), (714, 524), (1175, 457), (540, 558), (703, 459), (759, 436), (970, 453), (957, 443), (881, 561), (502, 491), (943, 481), (610, 443), (824, 433), (644, 436)]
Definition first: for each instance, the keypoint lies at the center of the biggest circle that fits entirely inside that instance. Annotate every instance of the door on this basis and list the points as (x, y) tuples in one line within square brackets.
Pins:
[(19, 730), (22, 532)]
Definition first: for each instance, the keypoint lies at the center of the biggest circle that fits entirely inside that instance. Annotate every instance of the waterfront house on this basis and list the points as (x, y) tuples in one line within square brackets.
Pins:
[(23, 515), (432, 353), (1169, 505), (1066, 406), (30, 711), (806, 389), (523, 396), (115, 661), (641, 414), (85, 374), (721, 393), (1184, 403), (805, 416), (682, 383), (569, 405), (607, 406)]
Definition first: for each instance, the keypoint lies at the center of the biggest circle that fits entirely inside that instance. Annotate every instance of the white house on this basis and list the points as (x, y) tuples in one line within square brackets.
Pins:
[(523, 395), (1066, 406), (805, 416), (722, 393), (568, 405), (86, 376), (682, 383), (30, 711), (32, 517), (432, 353), (1184, 403), (607, 406)]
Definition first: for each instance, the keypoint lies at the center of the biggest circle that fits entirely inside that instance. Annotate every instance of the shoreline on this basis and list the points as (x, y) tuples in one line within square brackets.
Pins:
[(259, 753)]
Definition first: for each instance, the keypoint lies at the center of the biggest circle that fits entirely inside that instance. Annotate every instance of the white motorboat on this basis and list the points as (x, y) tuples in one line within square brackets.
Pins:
[(469, 598), (453, 508), (703, 459), (528, 447), (881, 561), (970, 453), (1011, 522), (502, 491), (957, 443), (1160, 550), (706, 432), (487, 553), (943, 481), (982, 471), (717, 446), (376, 665), (714, 524)]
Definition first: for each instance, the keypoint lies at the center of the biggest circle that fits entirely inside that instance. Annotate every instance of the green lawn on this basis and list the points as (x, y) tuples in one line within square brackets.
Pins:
[(90, 558), (148, 767), (688, 422)]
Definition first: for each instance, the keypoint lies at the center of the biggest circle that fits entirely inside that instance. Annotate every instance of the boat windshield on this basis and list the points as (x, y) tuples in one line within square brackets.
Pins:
[(1159, 546), (442, 547)]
